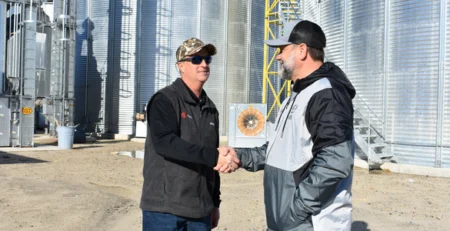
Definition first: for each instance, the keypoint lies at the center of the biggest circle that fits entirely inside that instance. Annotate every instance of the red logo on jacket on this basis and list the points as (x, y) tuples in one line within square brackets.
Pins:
[(183, 115)]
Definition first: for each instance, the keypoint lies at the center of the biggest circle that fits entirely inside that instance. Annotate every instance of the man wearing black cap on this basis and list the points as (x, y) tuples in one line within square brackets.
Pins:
[(308, 159), (181, 188)]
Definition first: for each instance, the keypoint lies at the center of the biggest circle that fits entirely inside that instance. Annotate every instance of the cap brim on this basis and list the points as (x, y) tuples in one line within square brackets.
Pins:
[(211, 49), (277, 42)]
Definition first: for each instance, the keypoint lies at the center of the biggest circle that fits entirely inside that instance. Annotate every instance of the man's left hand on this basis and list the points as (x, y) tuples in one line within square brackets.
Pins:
[(215, 216)]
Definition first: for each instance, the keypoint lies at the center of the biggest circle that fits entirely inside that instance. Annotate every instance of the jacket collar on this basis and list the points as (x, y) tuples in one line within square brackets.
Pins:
[(189, 96)]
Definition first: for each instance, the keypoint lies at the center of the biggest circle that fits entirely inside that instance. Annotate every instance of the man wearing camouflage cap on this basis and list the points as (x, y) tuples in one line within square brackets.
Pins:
[(181, 188)]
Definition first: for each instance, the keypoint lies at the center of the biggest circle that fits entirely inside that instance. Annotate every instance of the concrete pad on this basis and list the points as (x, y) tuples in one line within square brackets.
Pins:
[(122, 137), (416, 170), (360, 163), (138, 140), (138, 154)]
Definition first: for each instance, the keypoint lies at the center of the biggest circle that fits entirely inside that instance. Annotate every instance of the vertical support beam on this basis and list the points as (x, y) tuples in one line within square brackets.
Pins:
[(169, 43), (266, 52), (387, 12), (199, 21), (225, 61), (28, 77), (137, 81), (441, 85), (345, 33), (71, 66), (2, 45), (249, 49)]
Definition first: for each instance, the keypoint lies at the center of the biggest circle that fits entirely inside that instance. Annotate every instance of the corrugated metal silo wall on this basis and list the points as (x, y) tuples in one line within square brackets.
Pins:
[(237, 62), (445, 85), (93, 22), (212, 30), (148, 33), (122, 73), (166, 24), (256, 53), (2, 45), (81, 54), (154, 49), (412, 80), (364, 56), (311, 11), (332, 22), (391, 53), (184, 25)]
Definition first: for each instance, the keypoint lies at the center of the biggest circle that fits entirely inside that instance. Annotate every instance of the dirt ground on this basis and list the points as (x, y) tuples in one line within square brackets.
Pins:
[(88, 188)]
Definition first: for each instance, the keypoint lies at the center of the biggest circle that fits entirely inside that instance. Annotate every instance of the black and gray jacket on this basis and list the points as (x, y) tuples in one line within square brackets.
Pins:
[(180, 153), (308, 159)]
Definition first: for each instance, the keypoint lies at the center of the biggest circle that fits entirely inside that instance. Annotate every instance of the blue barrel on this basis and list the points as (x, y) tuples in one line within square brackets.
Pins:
[(65, 137)]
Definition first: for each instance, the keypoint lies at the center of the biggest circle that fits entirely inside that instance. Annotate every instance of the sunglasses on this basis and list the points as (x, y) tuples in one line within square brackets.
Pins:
[(198, 59)]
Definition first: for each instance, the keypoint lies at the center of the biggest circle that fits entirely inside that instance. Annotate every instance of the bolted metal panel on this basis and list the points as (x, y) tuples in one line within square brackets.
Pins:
[(414, 155), (154, 39), (212, 30), (81, 57), (100, 14), (445, 85), (123, 76), (412, 79), (256, 53), (445, 158), (190, 20), (236, 84), (311, 11), (396, 54), (5, 122), (154, 48), (93, 41), (365, 56), (26, 129), (332, 23)]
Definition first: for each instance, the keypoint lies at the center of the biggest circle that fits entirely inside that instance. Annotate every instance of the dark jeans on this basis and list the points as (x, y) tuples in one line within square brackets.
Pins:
[(153, 221)]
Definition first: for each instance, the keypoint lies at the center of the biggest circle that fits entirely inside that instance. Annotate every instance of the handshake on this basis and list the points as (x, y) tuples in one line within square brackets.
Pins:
[(227, 161)]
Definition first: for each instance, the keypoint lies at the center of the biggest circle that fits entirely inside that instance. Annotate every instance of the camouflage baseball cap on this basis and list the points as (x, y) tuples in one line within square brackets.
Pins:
[(192, 46)]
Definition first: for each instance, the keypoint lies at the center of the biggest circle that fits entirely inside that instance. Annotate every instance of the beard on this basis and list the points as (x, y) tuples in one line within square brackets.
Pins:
[(287, 68)]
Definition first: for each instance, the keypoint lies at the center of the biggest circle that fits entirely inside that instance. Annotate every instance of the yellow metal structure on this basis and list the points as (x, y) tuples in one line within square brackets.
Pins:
[(276, 13)]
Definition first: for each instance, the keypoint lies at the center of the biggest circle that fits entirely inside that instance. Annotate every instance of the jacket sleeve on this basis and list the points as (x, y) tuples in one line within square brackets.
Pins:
[(329, 119), (216, 195), (163, 123), (253, 159)]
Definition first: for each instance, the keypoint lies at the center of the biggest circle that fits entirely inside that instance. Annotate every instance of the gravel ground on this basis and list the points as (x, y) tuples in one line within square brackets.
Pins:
[(88, 188)]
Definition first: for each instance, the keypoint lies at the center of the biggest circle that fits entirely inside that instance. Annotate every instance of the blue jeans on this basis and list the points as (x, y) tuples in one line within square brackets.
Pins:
[(154, 221)]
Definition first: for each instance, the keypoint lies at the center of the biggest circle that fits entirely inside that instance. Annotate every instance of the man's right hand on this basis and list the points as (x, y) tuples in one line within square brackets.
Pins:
[(227, 161)]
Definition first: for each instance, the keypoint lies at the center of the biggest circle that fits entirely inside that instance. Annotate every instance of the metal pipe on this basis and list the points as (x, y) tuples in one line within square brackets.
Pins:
[(266, 53), (225, 54), (31, 10), (441, 86), (64, 63), (15, 46), (169, 39), (138, 61), (249, 39), (386, 66)]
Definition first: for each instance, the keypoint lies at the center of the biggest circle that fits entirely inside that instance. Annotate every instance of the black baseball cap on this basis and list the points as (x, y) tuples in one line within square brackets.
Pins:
[(300, 31)]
